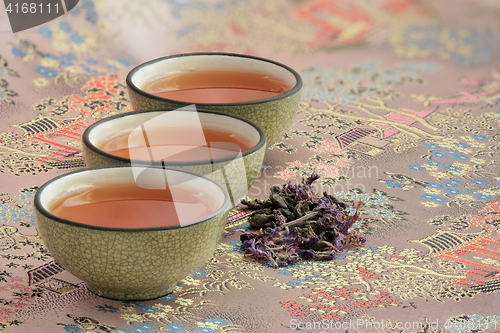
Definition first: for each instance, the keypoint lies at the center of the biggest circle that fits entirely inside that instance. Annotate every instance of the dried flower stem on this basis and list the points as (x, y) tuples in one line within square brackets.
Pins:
[(301, 220)]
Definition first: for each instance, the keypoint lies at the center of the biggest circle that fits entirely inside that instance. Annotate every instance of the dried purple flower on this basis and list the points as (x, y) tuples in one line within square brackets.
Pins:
[(324, 203), (306, 254), (279, 217), (339, 243), (311, 179), (313, 240)]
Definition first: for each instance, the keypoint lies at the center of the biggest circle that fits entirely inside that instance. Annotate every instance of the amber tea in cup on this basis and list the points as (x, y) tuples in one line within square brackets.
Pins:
[(127, 205), (216, 85), (176, 143)]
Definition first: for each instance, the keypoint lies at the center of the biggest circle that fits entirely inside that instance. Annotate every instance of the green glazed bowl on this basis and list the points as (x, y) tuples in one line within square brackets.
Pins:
[(130, 263), (274, 115), (238, 172)]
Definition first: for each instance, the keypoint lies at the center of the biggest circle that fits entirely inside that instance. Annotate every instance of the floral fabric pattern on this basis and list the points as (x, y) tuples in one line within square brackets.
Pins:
[(399, 110)]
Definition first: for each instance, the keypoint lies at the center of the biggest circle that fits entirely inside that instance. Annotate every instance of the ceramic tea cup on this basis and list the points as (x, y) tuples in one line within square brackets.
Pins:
[(274, 114), (133, 262), (187, 131)]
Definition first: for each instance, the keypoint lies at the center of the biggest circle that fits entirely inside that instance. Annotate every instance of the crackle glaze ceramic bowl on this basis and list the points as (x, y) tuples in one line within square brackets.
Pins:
[(130, 263), (238, 171), (273, 114)]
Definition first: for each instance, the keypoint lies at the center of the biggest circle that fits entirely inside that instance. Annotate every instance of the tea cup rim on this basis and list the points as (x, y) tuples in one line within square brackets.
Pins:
[(37, 202), (86, 140), (290, 92)]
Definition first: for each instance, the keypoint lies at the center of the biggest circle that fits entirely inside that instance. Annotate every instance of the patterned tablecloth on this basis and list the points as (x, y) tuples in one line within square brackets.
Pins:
[(400, 109)]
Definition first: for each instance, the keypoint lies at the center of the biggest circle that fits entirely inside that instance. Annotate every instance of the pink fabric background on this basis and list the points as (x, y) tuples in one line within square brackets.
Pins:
[(404, 93)]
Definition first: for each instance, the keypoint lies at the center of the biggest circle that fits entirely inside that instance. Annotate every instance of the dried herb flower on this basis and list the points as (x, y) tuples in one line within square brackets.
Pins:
[(296, 223)]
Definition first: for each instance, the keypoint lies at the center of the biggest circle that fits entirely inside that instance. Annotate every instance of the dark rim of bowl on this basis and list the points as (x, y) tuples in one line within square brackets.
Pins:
[(89, 145), (45, 212), (288, 93)]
